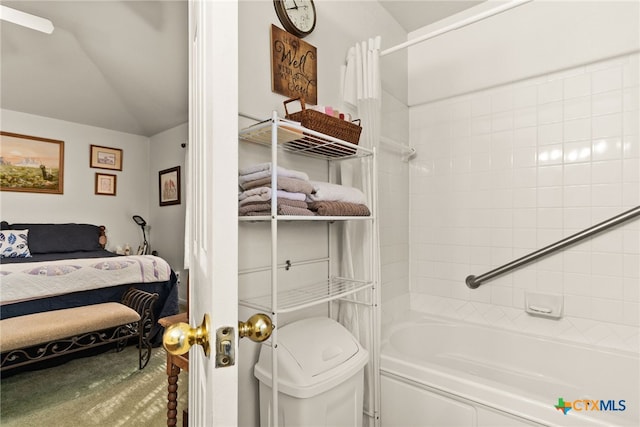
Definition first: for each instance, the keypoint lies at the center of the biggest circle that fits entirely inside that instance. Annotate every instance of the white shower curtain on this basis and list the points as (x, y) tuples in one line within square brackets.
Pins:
[(362, 94)]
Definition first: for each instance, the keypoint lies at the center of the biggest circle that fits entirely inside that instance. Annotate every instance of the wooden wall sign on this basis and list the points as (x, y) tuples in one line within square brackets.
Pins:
[(294, 66)]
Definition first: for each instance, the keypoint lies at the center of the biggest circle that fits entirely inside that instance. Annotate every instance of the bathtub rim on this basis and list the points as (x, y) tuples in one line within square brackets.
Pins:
[(411, 316), (502, 401)]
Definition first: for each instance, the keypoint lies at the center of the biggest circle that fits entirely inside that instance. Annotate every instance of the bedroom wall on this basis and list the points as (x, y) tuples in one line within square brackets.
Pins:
[(339, 26), (166, 223), (136, 190), (79, 203)]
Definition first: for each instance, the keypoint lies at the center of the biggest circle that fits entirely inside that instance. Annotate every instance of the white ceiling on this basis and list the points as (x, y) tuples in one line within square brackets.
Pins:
[(414, 14), (122, 65)]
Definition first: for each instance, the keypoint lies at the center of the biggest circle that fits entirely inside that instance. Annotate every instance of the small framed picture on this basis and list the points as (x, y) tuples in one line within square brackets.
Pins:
[(105, 158), (106, 184), (169, 186)]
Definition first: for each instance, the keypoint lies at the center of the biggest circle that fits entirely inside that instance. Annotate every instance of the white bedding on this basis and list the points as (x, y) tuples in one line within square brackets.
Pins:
[(25, 281)]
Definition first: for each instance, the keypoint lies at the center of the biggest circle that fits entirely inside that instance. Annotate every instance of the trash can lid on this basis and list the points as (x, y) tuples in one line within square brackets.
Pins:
[(314, 355)]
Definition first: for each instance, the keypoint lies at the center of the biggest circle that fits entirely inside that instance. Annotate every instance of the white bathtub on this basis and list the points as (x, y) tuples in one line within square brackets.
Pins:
[(439, 373)]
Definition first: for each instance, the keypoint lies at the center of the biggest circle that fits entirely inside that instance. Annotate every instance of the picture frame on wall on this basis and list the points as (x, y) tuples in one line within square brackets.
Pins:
[(105, 158), (105, 184), (31, 164), (169, 186)]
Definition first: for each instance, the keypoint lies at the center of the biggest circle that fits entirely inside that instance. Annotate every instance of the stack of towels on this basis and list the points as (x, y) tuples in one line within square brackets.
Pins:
[(296, 194)]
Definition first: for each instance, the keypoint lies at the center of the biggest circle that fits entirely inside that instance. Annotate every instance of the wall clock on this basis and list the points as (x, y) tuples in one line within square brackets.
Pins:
[(297, 16)]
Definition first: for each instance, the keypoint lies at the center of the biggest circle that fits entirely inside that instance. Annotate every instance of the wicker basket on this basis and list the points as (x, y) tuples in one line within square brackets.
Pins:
[(328, 125)]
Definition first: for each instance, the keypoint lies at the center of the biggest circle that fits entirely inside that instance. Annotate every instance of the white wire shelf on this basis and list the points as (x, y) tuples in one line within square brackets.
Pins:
[(293, 137), (263, 218), (307, 296)]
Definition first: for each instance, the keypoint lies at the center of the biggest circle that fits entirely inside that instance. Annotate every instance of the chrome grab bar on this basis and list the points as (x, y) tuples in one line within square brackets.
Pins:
[(474, 281)]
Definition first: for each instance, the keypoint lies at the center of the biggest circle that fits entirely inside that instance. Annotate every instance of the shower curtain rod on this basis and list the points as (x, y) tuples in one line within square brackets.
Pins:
[(457, 25), (407, 152)]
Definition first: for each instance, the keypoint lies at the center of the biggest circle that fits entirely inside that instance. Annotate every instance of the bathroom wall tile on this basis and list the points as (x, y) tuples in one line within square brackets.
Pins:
[(550, 112), (606, 172), (631, 289), (606, 103), (631, 147), (631, 265), (525, 117), (577, 129), (577, 108), (525, 157), (524, 177), (525, 137), (576, 86), (606, 148), (609, 125), (551, 154), (611, 241), (607, 310), (550, 133), (525, 96), (631, 71), (578, 283), (630, 99), (549, 281), (550, 91), (577, 196), (577, 306), (606, 80), (481, 124), (606, 194), (502, 100), (550, 196), (550, 217), (631, 194), (481, 105), (502, 121), (631, 313), (577, 151), (577, 217), (502, 140), (630, 123), (500, 160), (606, 264), (549, 176), (524, 238), (577, 174)]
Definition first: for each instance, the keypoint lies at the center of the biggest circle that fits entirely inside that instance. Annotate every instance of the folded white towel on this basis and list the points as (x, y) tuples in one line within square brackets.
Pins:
[(263, 194), (263, 170), (325, 191)]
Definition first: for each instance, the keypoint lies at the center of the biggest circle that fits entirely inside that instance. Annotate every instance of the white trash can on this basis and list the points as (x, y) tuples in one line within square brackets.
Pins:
[(320, 376)]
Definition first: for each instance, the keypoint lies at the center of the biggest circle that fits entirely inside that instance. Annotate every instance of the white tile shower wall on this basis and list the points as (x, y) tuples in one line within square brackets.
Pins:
[(393, 200), (508, 170)]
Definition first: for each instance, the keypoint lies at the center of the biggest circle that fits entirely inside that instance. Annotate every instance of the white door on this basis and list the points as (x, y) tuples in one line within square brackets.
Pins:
[(212, 216)]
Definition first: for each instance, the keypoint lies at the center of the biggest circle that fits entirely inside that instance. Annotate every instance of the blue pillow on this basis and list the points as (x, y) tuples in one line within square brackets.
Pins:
[(13, 244)]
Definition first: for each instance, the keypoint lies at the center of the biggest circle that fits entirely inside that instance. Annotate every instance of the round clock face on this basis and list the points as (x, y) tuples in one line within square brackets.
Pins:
[(297, 16)]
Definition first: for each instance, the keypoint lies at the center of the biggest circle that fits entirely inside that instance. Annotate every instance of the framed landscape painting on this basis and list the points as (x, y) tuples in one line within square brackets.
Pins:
[(106, 158), (31, 164)]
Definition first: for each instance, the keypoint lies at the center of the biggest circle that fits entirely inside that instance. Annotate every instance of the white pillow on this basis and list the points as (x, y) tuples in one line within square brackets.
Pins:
[(13, 244)]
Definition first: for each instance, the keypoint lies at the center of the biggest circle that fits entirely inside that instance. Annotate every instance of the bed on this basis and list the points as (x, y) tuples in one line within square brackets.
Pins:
[(48, 267)]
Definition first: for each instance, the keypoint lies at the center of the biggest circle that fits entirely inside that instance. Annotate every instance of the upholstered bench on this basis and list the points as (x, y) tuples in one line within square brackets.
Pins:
[(35, 337)]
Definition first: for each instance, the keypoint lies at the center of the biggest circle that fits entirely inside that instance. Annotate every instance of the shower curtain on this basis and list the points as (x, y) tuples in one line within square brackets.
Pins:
[(362, 94)]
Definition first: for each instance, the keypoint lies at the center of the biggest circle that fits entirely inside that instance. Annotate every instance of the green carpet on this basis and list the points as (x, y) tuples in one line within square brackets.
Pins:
[(103, 390)]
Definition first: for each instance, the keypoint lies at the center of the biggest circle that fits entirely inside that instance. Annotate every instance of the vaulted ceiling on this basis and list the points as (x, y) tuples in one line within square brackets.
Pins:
[(122, 65)]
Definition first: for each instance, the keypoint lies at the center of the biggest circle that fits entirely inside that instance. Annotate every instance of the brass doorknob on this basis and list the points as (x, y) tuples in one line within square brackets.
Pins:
[(179, 337), (257, 328)]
